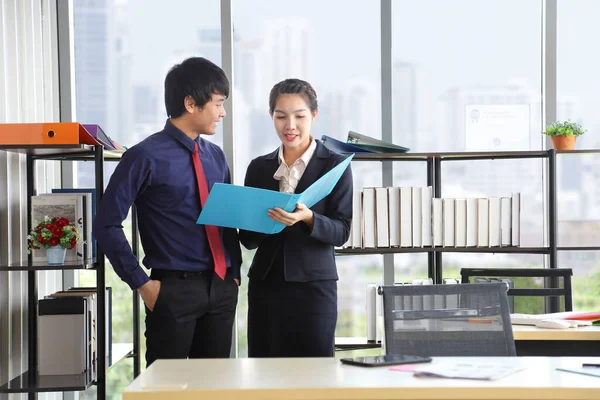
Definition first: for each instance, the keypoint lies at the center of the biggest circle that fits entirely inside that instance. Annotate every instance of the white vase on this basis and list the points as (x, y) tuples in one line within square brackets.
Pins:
[(56, 255)]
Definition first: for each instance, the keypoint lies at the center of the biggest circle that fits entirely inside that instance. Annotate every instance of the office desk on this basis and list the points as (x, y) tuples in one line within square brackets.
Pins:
[(529, 341), (327, 378), (532, 341)]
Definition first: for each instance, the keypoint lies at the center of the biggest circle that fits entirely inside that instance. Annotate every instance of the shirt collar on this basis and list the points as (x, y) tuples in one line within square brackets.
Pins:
[(305, 158), (178, 134)]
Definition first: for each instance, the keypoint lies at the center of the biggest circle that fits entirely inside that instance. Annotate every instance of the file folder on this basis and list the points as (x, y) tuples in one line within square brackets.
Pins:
[(374, 145), (340, 147), (245, 207), (100, 136), (55, 133)]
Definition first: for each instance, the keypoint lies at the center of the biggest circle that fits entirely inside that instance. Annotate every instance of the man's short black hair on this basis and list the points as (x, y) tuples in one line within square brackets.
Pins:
[(196, 77)]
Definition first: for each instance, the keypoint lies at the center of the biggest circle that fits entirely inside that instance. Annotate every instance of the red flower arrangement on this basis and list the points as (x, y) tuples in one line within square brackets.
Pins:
[(51, 232)]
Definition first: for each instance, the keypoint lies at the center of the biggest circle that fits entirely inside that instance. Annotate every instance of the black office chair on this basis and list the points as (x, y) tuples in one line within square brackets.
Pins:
[(447, 320), (552, 289)]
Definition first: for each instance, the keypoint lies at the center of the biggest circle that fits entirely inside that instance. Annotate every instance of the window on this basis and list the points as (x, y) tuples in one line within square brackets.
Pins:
[(123, 51), (275, 40), (578, 177), (467, 77)]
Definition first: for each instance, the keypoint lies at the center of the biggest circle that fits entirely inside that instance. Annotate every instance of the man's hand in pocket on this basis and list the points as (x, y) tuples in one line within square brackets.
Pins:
[(149, 292)]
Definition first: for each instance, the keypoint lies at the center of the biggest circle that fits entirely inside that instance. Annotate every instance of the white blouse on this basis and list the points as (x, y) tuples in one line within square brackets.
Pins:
[(288, 177)]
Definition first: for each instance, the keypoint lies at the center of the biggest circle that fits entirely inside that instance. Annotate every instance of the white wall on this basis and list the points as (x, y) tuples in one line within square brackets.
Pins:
[(28, 93)]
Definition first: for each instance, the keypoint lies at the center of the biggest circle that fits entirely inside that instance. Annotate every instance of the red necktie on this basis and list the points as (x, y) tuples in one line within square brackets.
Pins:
[(212, 232)]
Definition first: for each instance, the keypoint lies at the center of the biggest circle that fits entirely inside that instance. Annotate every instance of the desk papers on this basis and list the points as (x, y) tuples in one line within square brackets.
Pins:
[(467, 371)]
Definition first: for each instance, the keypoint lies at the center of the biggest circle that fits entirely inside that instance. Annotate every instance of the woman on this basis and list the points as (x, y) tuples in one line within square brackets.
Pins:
[(292, 292)]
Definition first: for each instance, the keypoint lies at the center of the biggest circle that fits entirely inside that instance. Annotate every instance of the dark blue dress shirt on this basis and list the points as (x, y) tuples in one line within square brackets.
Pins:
[(158, 175)]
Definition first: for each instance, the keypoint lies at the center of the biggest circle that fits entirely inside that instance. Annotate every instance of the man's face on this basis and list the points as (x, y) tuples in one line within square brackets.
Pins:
[(205, 119)]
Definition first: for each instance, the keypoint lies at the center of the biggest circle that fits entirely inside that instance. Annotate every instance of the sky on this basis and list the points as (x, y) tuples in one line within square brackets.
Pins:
[(456, 42)]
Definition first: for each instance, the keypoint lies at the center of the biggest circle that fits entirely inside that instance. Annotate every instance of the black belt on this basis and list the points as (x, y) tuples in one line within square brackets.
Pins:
[(160, 274)]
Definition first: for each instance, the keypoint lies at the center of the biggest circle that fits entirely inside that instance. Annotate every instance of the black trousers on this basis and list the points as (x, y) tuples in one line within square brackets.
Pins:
[(193, 316)]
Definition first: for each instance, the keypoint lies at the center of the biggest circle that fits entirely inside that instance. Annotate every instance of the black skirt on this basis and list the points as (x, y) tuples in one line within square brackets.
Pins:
[(291, 319)]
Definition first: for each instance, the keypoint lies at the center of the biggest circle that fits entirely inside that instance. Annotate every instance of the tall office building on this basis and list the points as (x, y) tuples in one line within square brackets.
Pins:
[(412, 108), (351, 109), (93, 42), (148, 111), (94, 45), (283, 52), (120, 104), (209, 44), (286, 47), (247, 69)]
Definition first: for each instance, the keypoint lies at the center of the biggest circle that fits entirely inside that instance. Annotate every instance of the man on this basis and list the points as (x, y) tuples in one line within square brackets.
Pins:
[(192, 290)]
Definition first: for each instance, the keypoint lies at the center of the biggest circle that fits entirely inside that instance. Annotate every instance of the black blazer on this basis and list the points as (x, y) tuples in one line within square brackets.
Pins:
[(308, 254)]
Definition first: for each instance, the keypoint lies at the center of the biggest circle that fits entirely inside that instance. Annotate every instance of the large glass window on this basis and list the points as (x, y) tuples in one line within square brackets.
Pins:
[(335, 45), (123, 50), (467, 77), (578, 177)]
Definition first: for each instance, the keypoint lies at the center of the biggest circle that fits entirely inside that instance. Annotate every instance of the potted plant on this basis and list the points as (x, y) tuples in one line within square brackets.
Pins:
[(564, 134), (56, 235)]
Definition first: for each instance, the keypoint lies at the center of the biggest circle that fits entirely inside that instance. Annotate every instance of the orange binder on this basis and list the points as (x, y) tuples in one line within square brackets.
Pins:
[(55, 133)]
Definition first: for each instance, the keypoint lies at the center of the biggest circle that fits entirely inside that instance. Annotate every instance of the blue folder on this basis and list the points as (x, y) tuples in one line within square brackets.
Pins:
[(245, 207), (340, 147)]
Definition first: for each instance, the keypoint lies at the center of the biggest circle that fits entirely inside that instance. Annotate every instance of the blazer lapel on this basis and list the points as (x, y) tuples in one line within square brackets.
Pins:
[(271, 166)]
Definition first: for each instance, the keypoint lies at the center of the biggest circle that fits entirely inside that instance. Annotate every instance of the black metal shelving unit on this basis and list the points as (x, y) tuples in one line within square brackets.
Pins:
[(434, 179), (30, 381)]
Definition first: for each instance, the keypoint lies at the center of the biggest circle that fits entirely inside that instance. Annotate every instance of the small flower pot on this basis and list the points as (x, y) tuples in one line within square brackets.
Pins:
[(56, 255), (564, 142)]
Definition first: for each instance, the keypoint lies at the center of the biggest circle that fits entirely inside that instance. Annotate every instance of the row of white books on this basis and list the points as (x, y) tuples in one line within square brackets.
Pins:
[(412, 217)]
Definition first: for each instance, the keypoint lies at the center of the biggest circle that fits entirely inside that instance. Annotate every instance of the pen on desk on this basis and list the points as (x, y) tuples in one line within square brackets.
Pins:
[(591, 365)]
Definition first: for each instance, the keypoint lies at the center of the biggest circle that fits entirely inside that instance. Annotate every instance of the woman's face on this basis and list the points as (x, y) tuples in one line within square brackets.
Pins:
[(293, 119)]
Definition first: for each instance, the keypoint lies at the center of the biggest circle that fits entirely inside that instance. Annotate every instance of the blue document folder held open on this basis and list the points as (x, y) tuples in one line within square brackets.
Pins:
[(244, 207)]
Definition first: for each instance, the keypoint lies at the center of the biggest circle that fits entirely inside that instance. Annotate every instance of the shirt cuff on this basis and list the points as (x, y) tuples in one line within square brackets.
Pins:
[(138, 278)]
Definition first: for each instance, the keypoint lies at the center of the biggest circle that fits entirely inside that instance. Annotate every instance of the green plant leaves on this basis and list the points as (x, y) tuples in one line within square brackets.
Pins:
[(565, 128)]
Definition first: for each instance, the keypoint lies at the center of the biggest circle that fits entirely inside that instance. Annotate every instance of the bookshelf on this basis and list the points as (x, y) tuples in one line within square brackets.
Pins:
[(434, 163), (30, 381)]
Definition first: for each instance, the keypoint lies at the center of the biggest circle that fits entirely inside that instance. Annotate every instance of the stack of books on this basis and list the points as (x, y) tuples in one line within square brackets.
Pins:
[(67, 331), (386, 217)]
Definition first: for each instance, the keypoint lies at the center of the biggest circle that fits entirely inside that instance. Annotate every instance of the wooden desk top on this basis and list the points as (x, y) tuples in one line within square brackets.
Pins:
[(520, 332), (327, 378), (528, 332)]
